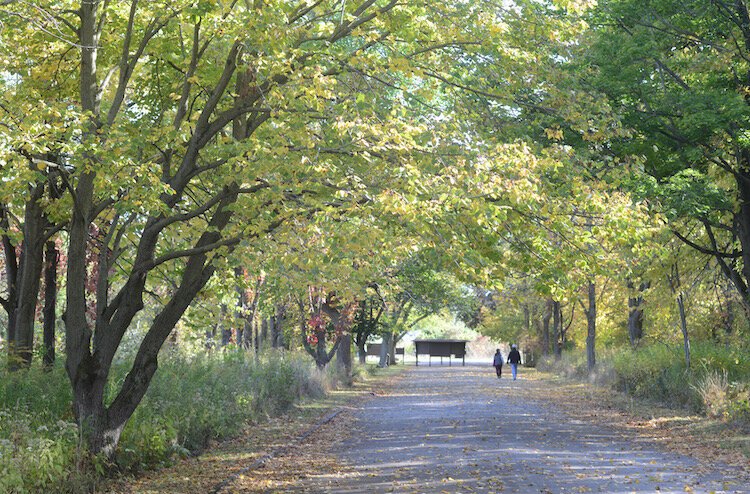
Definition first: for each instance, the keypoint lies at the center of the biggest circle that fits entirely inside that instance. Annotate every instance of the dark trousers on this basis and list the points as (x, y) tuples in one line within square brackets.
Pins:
[(499, 370)]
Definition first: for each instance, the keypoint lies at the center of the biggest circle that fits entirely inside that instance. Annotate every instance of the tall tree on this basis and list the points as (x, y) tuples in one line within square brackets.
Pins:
[(188, 134), (367, 323), (678, 72)]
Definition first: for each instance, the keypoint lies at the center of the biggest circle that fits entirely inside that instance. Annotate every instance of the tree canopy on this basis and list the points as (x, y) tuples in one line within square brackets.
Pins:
[(210, 160)]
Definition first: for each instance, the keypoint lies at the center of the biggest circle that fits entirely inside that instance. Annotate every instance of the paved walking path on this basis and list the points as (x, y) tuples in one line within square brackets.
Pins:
[(460, 429)]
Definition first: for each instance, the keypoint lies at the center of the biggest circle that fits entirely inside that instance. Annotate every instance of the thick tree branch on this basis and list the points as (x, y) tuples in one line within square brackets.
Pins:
[(169, 220), (202, 126), (705, 250)]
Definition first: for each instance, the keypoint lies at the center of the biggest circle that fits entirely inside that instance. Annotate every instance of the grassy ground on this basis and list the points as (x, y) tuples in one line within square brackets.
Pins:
[(223, 461)]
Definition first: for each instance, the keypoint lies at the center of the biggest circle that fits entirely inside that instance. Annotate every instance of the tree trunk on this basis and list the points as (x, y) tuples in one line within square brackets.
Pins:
[(94, 425), (319, 351), (591, 328), (565, 327), (361, 350), (635, 313), (88, 368), (384, 347), (683, 327), (241, 309), (635, 320), (321, 357), (256, 340), (392, 348), (251, 321), (86, 376), (344, 357), (247, 332), (729, 319), (548, 311), (50, 303), (557, 328), (272, 331), (11, 274), (29, 277), (277, 327), (264, 332), (742, 221), (226, 329), (526, 319)]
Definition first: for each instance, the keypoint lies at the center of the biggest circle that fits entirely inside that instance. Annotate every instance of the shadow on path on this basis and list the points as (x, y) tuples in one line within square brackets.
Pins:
[(460, 429)]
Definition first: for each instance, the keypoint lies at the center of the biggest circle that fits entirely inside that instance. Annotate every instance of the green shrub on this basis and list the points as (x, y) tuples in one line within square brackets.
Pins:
[(47, 393), (38, 438), (659, 373), (738, 409), (192, 400), (35, 458), (718, 382), (656, 373)]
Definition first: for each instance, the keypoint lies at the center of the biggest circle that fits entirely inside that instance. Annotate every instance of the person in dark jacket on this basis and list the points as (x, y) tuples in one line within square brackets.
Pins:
[(514, 358), (498, 363)]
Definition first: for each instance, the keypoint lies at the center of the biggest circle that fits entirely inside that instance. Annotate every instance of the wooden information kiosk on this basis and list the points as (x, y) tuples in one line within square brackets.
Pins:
[(441, 348)]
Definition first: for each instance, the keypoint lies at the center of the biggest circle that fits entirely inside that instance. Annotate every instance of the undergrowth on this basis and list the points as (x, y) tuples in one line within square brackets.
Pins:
[(192, 401), (717, 383)]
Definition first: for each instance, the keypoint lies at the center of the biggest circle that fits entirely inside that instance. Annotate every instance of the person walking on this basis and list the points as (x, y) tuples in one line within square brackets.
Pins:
[(514, 358), (498, 363)]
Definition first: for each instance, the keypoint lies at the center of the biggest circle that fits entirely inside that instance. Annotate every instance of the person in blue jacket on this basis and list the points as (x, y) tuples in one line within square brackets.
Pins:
[(514, 358)]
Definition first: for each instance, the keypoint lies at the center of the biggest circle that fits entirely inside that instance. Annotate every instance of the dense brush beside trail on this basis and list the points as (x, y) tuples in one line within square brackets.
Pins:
[(194, 400), (717, 384)]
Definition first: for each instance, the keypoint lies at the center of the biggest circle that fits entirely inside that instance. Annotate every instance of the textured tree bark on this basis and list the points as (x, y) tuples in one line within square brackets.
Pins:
[(29, 278), (10, 301), (251, 322), (392, 348), (50, 303), (86, 376)]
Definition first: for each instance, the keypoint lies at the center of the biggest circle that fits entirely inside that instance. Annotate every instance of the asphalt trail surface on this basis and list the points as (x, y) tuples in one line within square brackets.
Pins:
[(460, 429)]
